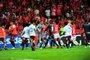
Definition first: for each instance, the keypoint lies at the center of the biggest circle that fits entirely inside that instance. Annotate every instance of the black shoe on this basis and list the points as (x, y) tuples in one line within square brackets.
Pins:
[(33, 49)]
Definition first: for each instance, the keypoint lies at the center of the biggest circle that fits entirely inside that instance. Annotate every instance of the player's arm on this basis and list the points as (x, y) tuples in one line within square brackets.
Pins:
[(46, 27), (22, 33), (10, 29), (35, 29)]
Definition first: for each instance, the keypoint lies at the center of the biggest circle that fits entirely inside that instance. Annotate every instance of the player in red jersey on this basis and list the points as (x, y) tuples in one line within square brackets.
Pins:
[(13, 32), (3, 35), (73, 36), (56, 34)]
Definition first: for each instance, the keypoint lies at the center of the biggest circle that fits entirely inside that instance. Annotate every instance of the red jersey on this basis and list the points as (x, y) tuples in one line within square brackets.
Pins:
[(13, 29), (56, 29), (20, 28), (3, 33)]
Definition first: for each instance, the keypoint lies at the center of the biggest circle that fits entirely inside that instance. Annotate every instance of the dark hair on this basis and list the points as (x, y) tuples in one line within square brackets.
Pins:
[(65, 23), (26, 25)]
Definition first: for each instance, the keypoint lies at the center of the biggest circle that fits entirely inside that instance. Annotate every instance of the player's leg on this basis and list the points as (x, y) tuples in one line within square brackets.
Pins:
[(56, 40), (73, 39), (51, 40), (22, 44), (67, 41), (40, 39), (70, 44), (41, 42), (5, 45), (32, 43), (59, 40), (86, 42), (12, 41), (46, 41), (63, 41), (26, 42)]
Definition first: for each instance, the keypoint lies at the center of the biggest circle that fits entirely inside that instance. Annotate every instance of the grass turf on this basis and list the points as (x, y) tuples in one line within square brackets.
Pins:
[(76, 53)]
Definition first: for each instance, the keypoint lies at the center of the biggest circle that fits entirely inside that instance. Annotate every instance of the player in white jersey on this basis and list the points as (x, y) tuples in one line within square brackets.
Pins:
[(41, 33), (68, 33), (25, 36), (68, 30), (32, 33)]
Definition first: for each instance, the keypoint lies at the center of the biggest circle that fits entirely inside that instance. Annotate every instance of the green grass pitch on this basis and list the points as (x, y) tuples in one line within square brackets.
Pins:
[(75, 53)]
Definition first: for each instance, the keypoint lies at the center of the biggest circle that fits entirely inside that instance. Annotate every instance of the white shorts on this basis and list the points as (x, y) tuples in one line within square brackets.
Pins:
[(73, 37), (26, 36), (45, 36), (56, 36)]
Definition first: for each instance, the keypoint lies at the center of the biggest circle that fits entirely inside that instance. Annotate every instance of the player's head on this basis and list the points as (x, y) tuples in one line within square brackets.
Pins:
[(26, 25), (32, 21), (69, 21), (65, 23)]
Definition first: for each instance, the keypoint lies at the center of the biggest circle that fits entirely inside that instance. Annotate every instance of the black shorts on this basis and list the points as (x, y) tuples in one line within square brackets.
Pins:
[(24, 38), (65, 39), (13, 36), (32, 37)]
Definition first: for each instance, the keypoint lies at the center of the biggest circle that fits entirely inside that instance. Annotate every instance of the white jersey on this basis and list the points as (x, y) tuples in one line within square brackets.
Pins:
[(47, 12), (32, 29), (68, 30), (25, 32)]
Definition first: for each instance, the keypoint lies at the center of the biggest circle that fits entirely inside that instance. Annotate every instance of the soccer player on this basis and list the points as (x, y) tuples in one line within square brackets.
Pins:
[(32, 33), (25, 36), (56, 34), (3, 36), (73, 36), (39, 29), (68, 33), (62, 35), (13, 32), (49, 30)]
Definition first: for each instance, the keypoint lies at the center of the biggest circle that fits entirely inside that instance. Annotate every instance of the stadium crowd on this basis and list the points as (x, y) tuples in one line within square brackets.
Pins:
[(41, 20)]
